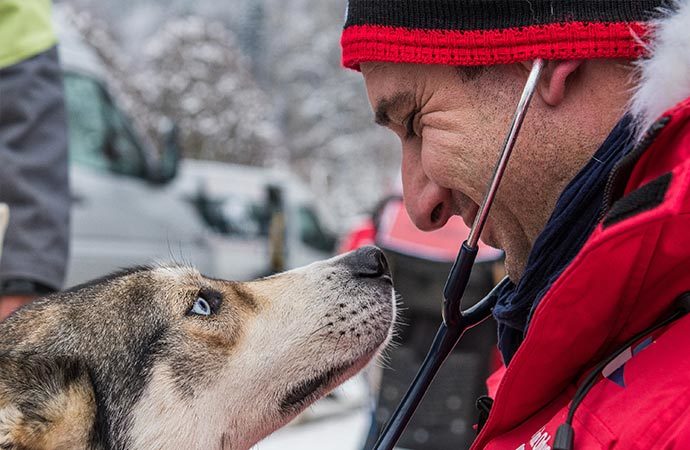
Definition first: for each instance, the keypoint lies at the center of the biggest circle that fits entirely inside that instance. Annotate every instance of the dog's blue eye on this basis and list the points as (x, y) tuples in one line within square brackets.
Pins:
[(201, 307)]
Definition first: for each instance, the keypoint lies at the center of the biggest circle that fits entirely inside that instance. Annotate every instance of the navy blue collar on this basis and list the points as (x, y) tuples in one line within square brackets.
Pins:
[(574, 218)]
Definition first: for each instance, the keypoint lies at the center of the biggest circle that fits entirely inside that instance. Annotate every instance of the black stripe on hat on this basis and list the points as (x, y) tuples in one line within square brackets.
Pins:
[(494, 14)]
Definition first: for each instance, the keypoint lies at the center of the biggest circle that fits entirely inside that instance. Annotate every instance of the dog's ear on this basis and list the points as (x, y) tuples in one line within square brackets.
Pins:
[(45, 405)]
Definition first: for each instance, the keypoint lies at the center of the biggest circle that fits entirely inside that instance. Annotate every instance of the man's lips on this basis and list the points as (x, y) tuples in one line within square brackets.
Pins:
[(469, 213), (464, 207)]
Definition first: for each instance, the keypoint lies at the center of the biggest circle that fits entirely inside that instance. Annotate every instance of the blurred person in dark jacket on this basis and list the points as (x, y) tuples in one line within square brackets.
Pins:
[(33, 155)]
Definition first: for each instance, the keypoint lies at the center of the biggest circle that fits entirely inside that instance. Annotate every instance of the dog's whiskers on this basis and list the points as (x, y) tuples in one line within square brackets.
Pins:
[(320, 328), (336, 347)]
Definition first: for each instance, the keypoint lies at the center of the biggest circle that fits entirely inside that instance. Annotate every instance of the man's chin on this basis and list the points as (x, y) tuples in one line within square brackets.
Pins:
[(489, 237), (516, 250), (514, 273), (491, 242)]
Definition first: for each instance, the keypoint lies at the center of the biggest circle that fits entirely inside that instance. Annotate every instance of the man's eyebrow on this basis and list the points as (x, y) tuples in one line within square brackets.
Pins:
[(390, 104)]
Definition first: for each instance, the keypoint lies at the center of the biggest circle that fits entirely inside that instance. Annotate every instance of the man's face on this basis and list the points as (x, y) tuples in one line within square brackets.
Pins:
[(452, 128)]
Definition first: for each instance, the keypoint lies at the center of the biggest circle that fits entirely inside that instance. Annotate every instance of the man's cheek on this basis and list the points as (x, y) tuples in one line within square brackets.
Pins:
[(451, 164)]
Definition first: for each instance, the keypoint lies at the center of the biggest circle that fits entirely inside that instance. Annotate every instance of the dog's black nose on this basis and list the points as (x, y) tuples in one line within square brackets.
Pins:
[(367, 262)]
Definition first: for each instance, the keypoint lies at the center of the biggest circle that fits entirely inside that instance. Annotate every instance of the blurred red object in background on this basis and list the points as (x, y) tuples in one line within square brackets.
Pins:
[(363, 234), (392, 228)]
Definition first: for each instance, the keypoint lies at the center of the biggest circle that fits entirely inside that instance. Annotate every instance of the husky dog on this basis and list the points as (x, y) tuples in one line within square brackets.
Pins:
[(165, 358)]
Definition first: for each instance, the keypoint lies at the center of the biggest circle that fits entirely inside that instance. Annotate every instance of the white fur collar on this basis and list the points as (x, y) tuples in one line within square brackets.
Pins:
[(665, 76)]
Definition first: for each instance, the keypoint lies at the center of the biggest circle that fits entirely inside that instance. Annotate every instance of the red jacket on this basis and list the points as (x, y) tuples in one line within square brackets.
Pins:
[(625, 279)]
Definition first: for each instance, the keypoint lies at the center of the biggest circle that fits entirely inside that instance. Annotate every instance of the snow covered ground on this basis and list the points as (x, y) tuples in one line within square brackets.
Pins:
[(338, 422), (346, 432)]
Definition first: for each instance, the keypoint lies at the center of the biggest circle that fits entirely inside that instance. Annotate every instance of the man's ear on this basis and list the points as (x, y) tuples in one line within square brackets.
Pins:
[(554, 80)]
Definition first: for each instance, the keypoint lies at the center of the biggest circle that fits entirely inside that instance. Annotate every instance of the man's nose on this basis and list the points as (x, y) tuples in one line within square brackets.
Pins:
[(428, 204)]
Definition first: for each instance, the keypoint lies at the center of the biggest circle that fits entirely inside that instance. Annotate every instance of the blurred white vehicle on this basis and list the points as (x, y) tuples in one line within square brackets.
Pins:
[(234, 201), (135, 204)]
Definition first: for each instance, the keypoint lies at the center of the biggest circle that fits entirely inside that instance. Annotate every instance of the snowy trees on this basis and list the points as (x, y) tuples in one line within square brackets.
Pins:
[(325, 113), (192, 72), (255, 82), (197, 76)]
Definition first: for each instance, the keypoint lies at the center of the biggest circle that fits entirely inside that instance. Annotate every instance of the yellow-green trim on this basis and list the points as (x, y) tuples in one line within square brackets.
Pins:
[(26, 30)]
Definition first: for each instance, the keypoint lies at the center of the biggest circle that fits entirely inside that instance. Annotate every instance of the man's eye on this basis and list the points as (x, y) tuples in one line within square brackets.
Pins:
[(409, 125)]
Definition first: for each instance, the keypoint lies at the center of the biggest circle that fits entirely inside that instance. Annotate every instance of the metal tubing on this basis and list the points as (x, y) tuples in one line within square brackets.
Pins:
[(525, 99)]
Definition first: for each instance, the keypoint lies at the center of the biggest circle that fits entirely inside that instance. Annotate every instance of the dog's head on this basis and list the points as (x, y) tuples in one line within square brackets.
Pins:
[(179, 359)]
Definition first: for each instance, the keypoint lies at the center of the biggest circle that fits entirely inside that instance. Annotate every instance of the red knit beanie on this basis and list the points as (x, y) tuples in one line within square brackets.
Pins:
[(486, 32)]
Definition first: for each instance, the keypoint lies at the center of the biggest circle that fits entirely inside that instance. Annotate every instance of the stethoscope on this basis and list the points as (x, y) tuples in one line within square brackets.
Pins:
[(456, 320)]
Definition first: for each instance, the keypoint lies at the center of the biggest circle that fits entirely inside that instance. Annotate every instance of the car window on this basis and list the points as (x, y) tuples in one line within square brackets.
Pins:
[(233, 216), (99, 134), (312, 232)]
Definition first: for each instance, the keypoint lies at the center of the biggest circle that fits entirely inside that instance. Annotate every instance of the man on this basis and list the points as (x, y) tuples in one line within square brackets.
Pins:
[(33, 155), (592, 212)]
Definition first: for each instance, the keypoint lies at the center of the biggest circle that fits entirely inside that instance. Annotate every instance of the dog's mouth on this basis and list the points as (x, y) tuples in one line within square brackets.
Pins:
[(305, 392)]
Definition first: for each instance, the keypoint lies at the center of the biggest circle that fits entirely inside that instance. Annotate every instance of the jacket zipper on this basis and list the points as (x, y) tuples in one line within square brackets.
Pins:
[(646, 141)]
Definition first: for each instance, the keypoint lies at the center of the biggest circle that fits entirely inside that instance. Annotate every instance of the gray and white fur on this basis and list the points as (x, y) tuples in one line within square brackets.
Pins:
[(165, 358)]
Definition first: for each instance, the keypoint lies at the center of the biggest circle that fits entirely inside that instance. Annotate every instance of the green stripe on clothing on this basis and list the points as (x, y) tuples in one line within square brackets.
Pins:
[(26, 30)]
